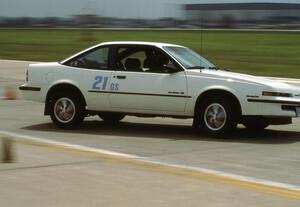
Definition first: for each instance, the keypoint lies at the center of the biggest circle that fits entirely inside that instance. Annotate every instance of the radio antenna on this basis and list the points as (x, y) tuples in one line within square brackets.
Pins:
[(201, 39), (201, 35)]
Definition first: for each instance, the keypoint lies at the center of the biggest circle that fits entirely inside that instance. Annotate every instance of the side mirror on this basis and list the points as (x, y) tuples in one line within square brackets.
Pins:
[(170, 68)]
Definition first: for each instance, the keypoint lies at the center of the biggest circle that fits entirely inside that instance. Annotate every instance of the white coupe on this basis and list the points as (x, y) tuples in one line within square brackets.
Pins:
[(147, 79)]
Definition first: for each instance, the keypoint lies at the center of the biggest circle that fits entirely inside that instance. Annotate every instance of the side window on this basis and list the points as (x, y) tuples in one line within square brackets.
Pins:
[(143, 59), (96, 59), (134, 61), (130, 58), (159, 62)]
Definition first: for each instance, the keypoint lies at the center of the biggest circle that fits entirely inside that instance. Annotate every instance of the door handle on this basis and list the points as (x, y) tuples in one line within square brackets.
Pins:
[(120, 77)]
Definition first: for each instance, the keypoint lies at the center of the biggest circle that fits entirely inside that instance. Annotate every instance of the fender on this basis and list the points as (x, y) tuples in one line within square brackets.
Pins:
[(193, 102), (61, 85)]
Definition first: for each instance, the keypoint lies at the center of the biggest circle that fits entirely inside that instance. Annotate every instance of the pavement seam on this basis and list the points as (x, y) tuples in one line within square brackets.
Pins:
[(50, 165), (266, 186)]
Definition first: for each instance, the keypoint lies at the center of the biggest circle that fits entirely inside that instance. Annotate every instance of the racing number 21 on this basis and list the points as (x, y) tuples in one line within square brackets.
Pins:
[(100, 81)]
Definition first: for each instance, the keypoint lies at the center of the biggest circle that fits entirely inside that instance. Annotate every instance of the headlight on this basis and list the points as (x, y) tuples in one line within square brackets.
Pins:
[(269, 93)]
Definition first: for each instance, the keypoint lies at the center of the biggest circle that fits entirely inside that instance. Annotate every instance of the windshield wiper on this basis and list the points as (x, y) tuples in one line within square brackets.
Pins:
[(202, 67), (196, 67)]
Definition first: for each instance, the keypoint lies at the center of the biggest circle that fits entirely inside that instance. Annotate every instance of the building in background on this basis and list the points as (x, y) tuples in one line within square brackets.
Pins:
[(244, 13)]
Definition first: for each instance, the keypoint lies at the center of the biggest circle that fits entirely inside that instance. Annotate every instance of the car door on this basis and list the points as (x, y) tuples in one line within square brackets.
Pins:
[(144, 89), (92, 73)]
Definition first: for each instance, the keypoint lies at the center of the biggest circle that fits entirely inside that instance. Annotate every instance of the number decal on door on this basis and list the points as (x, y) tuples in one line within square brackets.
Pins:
[(104, 83), (97, 83), (101, 84)]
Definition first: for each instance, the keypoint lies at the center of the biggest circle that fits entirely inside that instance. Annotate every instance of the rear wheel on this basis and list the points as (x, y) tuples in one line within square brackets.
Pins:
[(216, 116), (111, 117), (66, 110)]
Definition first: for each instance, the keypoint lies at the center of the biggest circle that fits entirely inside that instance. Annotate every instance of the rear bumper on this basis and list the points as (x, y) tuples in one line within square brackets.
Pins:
[(32, 93), (29, 88)]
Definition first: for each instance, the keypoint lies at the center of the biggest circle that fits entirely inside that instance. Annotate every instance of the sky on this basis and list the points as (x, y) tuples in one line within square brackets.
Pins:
[(113, 8)]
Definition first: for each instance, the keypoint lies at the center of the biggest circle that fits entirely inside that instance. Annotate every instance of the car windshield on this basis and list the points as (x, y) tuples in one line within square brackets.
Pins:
[(188, 58)]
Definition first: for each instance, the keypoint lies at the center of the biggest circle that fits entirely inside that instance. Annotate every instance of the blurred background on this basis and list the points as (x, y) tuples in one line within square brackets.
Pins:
[(258, 37), (277, 14)]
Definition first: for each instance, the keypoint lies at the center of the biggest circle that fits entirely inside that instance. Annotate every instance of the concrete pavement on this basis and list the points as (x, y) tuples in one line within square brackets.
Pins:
[(14, 69), (44, 176)]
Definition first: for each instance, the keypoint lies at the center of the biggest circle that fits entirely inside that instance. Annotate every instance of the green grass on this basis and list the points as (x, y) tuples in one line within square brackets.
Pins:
[(259, 53)]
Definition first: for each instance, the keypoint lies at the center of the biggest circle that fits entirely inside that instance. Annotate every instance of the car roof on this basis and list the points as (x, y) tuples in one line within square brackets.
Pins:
[(157, 44)]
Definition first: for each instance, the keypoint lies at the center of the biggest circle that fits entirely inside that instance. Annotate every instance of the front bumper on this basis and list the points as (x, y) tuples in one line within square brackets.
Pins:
[(277, 107), (291, 101), (267, 119)]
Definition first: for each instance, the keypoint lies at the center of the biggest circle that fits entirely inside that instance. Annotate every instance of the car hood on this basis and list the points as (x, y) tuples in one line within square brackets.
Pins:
[(250, 79)]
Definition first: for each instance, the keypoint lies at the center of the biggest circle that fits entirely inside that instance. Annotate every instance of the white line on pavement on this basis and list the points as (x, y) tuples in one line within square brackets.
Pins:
[(151, 161), (63, 144)]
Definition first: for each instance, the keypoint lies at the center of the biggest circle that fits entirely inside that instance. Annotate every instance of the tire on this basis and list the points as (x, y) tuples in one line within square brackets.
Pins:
[(67, 110), (111, 117), (216, 116), (256, 126)]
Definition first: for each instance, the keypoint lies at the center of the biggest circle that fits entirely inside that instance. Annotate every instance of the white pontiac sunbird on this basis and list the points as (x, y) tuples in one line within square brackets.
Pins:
[(147, 79)]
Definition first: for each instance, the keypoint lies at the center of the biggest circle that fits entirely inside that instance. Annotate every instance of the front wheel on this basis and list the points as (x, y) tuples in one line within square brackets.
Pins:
[(66, 110), (216, 116)]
